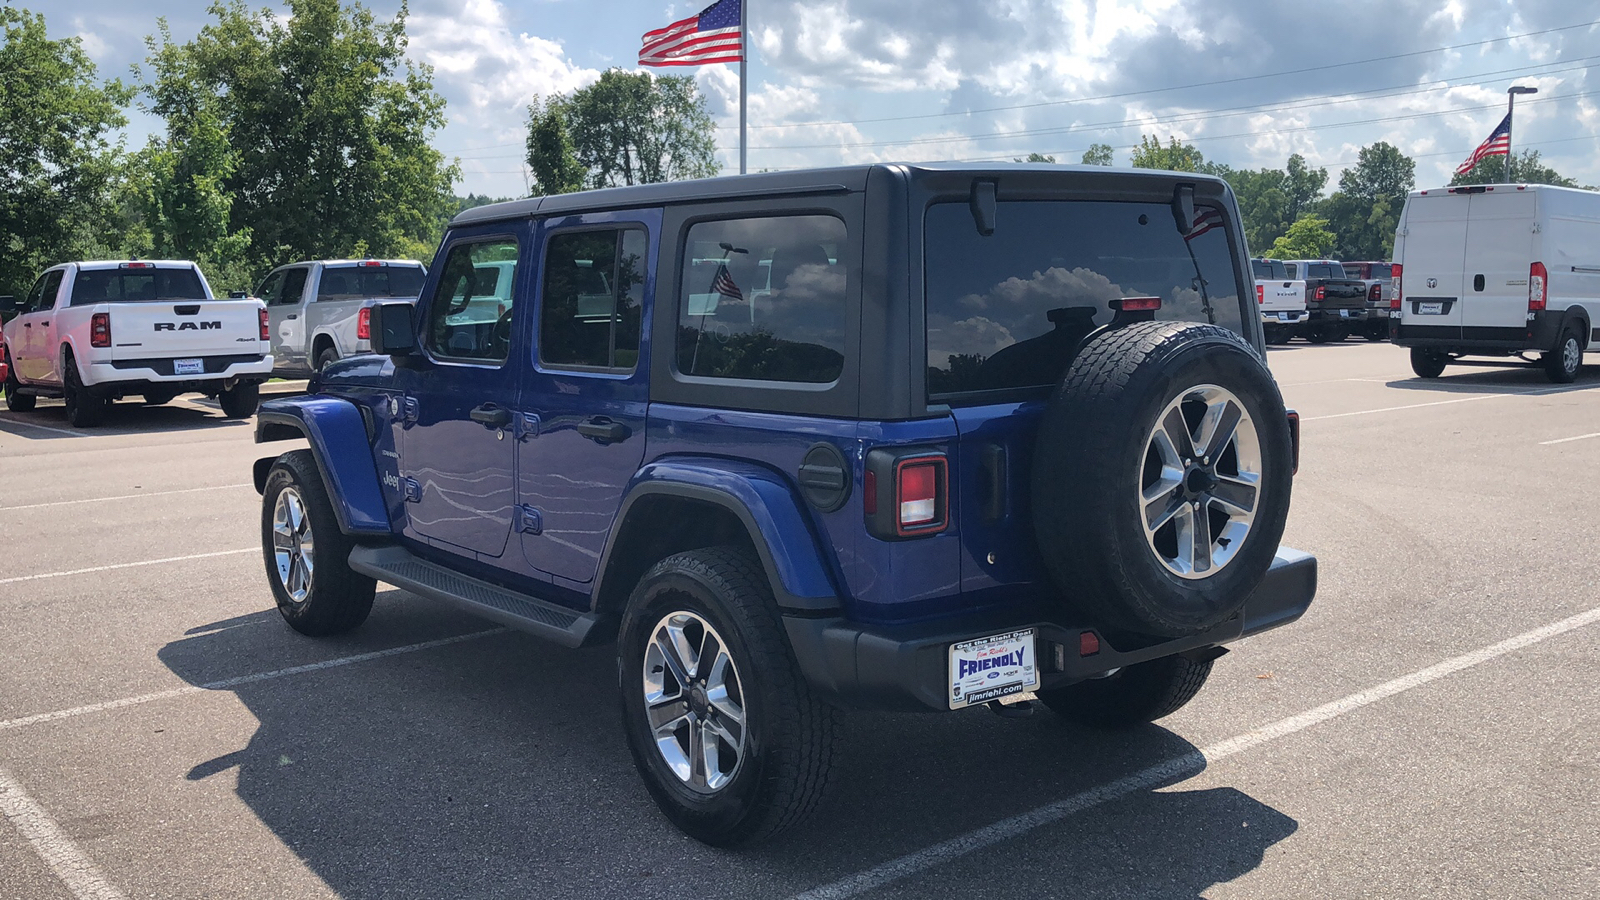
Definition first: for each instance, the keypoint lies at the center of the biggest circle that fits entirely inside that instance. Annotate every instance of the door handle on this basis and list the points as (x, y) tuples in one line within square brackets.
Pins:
[(604, 430), (295, 316), (492, 416)]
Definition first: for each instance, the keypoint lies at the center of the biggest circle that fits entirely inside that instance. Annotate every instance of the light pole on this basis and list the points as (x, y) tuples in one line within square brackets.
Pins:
[(1511, 104)]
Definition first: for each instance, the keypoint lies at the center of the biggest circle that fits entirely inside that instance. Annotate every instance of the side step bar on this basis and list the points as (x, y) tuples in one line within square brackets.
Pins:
[(407, 571)]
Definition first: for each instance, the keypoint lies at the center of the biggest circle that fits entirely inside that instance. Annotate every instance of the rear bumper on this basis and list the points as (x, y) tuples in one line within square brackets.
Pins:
[(1537, 335), (906, 667), (216, 370), (1337, 316), (1283, 317)]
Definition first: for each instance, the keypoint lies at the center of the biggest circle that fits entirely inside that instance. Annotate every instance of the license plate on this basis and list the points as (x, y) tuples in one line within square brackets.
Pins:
[(992, 667), (1430, 309), (1344, 313), (188, 367), (1287, 317)]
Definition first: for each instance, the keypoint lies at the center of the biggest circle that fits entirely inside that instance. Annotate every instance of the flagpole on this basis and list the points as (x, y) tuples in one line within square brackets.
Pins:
[(744, 65)]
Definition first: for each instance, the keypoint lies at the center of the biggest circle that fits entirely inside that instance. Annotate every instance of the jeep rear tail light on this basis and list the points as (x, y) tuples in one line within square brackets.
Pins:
[(100, 330), (364, 324), (1394, 302), (1322, 292), (1538, 278), (907, 493), (266, 331), (1261, 293)]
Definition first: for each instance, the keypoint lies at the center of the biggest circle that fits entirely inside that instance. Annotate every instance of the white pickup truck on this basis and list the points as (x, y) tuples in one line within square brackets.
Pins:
[(94, 332), (318, 312), (1280, 299)]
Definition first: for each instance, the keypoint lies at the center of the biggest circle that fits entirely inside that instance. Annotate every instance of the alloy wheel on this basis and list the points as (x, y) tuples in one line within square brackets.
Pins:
[(694, 699)]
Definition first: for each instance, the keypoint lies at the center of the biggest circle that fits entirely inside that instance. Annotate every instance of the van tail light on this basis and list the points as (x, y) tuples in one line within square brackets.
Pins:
[(100, 330), (266, 332), (1394, 280), (364, 324), (1538, 278), (1294, 442), (908, 493), (1261, 293), (1322, 292)]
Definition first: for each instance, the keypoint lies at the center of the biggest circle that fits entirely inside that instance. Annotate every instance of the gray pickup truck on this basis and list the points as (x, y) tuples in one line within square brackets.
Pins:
[(318, 311)]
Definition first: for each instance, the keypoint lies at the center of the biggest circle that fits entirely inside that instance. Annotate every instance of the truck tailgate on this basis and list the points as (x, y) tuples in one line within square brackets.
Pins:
[(170, 330)]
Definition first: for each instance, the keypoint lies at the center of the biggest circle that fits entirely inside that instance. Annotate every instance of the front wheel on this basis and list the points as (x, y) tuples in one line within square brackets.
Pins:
[(307, 557), (16, 401), (1428, 363), (1132, 696), (1561, 365), (721, 724), (240, 401)]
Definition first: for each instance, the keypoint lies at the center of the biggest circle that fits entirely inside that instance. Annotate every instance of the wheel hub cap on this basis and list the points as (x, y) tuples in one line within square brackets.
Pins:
[(1200, 481), (292, 545), (694, 701)]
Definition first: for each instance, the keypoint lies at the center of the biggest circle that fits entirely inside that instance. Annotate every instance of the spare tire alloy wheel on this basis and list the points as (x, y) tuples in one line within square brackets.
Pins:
[(695, 702), (1200, 481)]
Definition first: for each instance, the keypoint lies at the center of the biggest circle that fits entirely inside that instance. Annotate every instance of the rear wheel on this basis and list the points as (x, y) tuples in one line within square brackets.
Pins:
[(16, 401), (1428, 363), (240, 401), (326, 356), (307, 557), (1276, 334), (1376, 330), (84, 408), (1132, 696), (1561, 365)]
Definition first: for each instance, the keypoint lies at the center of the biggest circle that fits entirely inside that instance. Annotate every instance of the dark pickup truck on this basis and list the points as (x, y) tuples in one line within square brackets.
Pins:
[(1336, 306)]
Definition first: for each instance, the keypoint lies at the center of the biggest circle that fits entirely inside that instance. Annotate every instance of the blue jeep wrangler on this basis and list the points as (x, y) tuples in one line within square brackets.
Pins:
[(915, 437)]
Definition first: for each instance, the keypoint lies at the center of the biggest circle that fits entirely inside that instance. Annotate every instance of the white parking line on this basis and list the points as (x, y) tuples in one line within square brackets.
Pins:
[(41, 832), (227, 683), (131, 565), (1145, 779), (10, 421), (1368, 412), (1581, 437), (218, 487)]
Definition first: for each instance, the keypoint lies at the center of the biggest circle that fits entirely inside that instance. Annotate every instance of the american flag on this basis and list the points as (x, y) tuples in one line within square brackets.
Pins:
[(710, 37), (1205, 219), (1498, 143), (723, 284)]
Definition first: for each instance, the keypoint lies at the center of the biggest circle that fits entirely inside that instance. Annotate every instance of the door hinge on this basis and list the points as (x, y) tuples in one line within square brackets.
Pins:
[(526, 520), (409, 411), (413, 489), (528, 426)]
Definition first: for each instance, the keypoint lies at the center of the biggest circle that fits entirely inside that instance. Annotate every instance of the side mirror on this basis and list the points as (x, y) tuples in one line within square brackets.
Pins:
[(238, 295), (394, 332)]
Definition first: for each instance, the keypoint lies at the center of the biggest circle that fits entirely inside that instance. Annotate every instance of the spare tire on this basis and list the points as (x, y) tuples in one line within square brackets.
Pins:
[(1161, 478)]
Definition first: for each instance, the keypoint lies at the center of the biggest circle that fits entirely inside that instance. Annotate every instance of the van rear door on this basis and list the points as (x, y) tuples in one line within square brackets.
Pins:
[(1434, 259), (1499, 242)]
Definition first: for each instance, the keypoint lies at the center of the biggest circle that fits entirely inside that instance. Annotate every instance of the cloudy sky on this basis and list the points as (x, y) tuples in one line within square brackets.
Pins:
[(844, 81)]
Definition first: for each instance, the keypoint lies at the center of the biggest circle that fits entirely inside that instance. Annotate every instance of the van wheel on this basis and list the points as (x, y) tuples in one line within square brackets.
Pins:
[(16, 401), (1428, 363), (241, 401), (721, 724), (307, 557), (1133, 696), (84, 409), (1561, 365)]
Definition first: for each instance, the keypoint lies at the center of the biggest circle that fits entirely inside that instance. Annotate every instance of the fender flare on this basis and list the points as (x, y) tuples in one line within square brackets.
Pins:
[(767, 507), (337, 433), (1579, 317)]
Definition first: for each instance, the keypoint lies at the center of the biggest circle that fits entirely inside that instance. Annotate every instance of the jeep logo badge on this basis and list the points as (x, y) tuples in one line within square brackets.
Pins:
[(1433, 282), (188, 326)]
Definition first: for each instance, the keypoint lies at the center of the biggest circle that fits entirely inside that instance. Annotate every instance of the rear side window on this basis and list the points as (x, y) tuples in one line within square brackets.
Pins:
[(764, 299), (466, 322), (593, 294), (1006, 310), (357, 282), (135, 285)]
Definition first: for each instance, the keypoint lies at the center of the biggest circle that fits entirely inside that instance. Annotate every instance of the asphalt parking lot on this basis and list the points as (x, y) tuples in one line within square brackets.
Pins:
[(1430, 729)]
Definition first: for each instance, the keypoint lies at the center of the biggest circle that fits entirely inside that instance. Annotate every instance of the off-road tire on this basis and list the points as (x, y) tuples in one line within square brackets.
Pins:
[(1133, 696), (1428, 363), (339, 597), (16, 401), (241, 401), (1562, 364), (783, 771), (84, 408), (1090, 456)]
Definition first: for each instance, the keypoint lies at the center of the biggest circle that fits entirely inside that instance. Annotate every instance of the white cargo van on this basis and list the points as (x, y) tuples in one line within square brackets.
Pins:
[(1497, 270)]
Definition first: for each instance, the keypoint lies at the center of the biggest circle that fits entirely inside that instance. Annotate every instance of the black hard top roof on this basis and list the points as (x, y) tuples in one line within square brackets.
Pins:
[(838, 179)]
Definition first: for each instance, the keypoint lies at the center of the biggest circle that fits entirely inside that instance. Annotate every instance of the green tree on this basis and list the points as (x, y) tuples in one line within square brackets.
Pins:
[(1526, 168), (58, 162), (330, 126), (1263, 203), (1365, 210), (1098, 155), (1175, 157), (1307, 238), (626, 128), (1036, 158), (1302, 185)]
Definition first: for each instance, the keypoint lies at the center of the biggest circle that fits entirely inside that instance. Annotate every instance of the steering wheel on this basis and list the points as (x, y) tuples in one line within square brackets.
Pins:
[(500, 335)]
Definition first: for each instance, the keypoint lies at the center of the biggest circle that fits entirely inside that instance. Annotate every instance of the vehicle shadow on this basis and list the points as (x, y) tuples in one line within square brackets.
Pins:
[(131, 416), (498, 768), (1516, 378)]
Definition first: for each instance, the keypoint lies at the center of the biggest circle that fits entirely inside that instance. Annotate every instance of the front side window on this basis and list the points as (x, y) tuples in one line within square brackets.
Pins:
[(470, 313), (593, 296), (1007, 310), (134, 285), (764, 299)]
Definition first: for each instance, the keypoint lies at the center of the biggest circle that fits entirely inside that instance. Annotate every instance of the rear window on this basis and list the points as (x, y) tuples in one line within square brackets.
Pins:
[(1324, 270), (1005, 311), (135, 285), (1269, 270), (360, 282)]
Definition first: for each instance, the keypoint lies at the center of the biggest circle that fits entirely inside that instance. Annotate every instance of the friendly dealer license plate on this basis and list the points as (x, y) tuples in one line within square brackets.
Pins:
[(1430, 309), (992, 667), (188, 367), (1344, 313), (1286, 317)]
